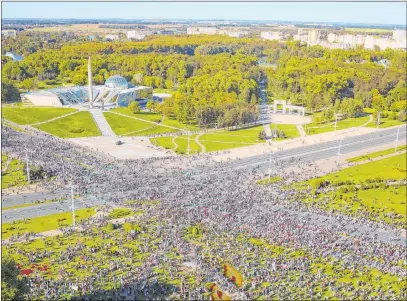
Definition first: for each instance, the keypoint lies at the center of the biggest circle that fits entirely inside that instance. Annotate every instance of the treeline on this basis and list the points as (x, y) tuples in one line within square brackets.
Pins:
[(29, 42), (224, 111), (317, 77)]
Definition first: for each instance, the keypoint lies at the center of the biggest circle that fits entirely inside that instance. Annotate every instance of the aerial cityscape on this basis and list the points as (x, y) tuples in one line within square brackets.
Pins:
[(203, 151)]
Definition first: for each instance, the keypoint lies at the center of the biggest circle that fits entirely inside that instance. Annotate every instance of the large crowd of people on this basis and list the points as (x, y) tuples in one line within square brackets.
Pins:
[(284, 249)]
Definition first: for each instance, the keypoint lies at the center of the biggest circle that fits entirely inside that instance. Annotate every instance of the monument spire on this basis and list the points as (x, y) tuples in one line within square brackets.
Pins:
[(90, 88)]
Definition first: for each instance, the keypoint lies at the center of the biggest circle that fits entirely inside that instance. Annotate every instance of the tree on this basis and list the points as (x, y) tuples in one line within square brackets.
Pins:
[(262, 135), (134, 107), (379, 103), (28, 84), (138, 79), (12, 286), (79, 79), (150, 106), (9, 93)]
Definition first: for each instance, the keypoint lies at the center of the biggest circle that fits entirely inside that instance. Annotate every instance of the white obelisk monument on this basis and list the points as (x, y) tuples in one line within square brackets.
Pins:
[(90, 92)]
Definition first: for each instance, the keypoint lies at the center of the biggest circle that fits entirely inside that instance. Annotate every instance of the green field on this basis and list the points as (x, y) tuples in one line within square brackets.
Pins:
[(181, 146), (42, 224), (182, 142), (14, 174), (270, 181), (154, 117), (77, 125), (290, 130), (224, 140), (314, 128), (212, 141), (133, 127), (31, 115), (376, 154), (379, 195), (164, 142), (385, 123)]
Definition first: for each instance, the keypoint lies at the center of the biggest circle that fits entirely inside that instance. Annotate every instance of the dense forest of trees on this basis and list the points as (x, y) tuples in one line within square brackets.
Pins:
[(318, 78), (217, 74)]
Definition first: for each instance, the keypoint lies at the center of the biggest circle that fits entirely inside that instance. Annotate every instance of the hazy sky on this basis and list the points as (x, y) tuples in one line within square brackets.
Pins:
[(361, 12)]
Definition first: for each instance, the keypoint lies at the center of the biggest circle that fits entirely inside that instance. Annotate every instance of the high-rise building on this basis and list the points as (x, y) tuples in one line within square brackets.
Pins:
[(332, 37), (313, 36), (369, 42), (400, 39)]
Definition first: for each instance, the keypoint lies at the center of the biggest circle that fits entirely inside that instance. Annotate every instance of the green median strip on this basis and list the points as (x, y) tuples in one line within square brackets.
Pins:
[(377, 154)]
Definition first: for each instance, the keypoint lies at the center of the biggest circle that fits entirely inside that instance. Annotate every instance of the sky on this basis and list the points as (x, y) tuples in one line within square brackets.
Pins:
[(360, 12)]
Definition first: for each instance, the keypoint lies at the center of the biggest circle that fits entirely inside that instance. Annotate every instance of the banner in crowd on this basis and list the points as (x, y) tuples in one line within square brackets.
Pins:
[(230, 272), (217, 293)]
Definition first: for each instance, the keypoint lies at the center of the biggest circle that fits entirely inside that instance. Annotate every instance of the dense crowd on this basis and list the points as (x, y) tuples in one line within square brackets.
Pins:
[(230, 210)]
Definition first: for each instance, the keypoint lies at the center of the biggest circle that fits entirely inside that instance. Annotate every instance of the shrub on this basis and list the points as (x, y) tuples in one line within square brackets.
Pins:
[(110, 227), (343, 189), (262, 135), (402, 116)]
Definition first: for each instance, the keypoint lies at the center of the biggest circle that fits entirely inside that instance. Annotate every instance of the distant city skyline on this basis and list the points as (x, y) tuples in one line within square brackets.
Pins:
[(328, 12)]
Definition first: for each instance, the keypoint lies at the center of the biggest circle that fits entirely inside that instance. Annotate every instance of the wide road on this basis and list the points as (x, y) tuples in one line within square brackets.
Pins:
[(312, 152)]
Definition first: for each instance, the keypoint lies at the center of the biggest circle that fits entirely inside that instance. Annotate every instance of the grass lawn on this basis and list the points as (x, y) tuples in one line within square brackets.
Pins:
[(133, 127), (385, 123), (290, 130), (119, 213), (181, 146), (164, 142), (177, 124), (44, 223), (30, 115), (272, 180), (73, 126), (376, 154), (223, 140), (154, 117), (169, 91), (182, 142), (14, 175), (357, 188), (314, 128)]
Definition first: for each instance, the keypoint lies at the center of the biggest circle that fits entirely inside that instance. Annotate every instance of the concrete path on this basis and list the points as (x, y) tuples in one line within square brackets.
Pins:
[(101, 122), (175, 143), (199, 143), (301, 131), (56, 118), (370, 120)]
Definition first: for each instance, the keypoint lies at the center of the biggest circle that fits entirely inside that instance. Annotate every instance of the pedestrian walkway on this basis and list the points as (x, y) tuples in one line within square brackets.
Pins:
[(101, 123), (199, 143), (301, 131)]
